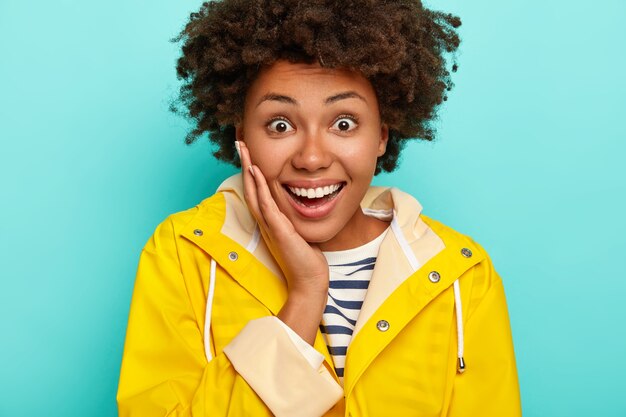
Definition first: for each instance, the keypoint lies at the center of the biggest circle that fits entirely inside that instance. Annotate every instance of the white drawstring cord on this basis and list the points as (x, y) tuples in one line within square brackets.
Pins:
[(457, 292), (459, 327), (254, 242), (209, 307), (406, 248)]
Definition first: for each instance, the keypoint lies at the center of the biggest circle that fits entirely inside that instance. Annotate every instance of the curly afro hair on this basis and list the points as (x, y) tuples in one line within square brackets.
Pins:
[(398, 45)]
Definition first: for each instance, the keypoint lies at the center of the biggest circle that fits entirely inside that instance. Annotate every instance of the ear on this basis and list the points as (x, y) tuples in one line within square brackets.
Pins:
[(384, 138)]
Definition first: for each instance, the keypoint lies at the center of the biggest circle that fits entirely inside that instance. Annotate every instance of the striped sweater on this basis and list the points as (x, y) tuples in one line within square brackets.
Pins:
[(350, 274)]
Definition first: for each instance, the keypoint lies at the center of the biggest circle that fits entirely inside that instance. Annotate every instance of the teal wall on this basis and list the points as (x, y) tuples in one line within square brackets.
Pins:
[(530, 162)]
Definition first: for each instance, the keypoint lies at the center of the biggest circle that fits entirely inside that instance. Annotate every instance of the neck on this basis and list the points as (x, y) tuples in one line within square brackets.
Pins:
[(359, 230)]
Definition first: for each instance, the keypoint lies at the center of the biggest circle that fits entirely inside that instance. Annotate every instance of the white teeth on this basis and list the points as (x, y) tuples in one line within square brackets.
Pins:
[(318, 192)]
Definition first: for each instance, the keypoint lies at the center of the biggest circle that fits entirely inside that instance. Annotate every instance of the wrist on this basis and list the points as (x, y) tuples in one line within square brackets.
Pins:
[(308, 288), (308, 294), (302, 312)]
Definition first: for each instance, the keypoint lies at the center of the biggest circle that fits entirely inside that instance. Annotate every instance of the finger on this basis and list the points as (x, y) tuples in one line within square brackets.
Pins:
[(249, 184), (276, 220), (265, 209), (244, 157)]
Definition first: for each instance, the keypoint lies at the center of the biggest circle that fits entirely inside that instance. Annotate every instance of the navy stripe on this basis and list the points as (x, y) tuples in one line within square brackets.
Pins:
[(335, 310), (363, 268), (361, 262), (352, 284), (352, 305), (336, 329), (339, 372), (338, 350)]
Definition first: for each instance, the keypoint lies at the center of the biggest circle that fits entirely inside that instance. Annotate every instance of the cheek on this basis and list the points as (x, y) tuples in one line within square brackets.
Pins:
[(361, 158), (270, 159)]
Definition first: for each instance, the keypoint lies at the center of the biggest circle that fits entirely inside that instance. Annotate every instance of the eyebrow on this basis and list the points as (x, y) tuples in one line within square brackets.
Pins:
[(277, 97), (329, 100), (343, 96)]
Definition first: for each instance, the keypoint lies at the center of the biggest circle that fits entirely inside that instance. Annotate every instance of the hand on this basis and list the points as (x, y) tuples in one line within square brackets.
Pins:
[(303, 264)]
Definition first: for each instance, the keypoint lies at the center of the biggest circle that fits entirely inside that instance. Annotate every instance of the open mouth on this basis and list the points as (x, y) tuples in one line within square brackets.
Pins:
[(314, 197)]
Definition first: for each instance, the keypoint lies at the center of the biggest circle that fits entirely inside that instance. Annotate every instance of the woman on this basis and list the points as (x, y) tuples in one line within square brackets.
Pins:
[(298, 289)]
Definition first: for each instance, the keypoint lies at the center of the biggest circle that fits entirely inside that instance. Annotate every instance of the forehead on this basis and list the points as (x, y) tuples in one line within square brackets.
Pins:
[(307, 81)]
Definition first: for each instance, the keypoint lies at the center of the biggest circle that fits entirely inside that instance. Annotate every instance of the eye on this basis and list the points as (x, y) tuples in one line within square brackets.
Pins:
[(279, 126), (345, 124)]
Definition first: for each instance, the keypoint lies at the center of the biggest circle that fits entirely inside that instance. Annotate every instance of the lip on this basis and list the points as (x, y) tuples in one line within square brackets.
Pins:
[(312, 184), (320, 211)]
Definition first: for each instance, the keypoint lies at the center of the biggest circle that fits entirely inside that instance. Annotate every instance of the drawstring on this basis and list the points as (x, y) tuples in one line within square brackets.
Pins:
[(254, 242), (459, 327), (415, 264), (209, 307)]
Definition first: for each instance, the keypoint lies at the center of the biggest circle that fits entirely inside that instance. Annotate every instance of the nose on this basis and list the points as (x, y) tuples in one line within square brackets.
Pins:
[(313, 153)]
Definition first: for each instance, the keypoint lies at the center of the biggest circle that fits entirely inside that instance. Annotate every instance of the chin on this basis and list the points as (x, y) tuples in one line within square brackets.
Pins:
[(314, 233)]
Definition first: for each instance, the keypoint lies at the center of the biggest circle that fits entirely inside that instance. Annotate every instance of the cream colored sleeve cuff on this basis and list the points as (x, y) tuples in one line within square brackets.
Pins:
[(275, 367), (314, 358)]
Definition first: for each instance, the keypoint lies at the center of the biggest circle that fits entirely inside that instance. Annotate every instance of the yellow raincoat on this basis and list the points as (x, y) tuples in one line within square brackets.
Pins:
[(404, 355)]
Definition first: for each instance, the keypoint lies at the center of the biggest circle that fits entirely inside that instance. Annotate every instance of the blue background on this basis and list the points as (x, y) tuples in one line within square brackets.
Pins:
[(529, 162)]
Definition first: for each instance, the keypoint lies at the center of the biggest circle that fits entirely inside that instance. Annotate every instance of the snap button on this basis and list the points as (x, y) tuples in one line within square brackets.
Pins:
[(466, 252), (233, 256), (434, 277), (198, 232), (382, 325)]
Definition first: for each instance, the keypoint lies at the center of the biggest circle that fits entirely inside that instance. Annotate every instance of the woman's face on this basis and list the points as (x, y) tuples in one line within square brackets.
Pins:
[(316, 134)]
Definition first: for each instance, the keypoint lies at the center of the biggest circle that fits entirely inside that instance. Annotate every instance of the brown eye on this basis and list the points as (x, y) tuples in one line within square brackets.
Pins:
[(279, 126), (344, 124)]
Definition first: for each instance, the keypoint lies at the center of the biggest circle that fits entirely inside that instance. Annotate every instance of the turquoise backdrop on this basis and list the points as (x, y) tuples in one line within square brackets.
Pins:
[(529, 162)]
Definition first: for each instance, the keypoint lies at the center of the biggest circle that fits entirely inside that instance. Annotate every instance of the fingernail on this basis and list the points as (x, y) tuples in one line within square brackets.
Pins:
[(238, 148), (251, 170)]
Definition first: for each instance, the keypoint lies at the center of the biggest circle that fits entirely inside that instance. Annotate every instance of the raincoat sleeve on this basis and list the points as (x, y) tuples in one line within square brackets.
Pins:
[(489, 386), (165, 371)]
